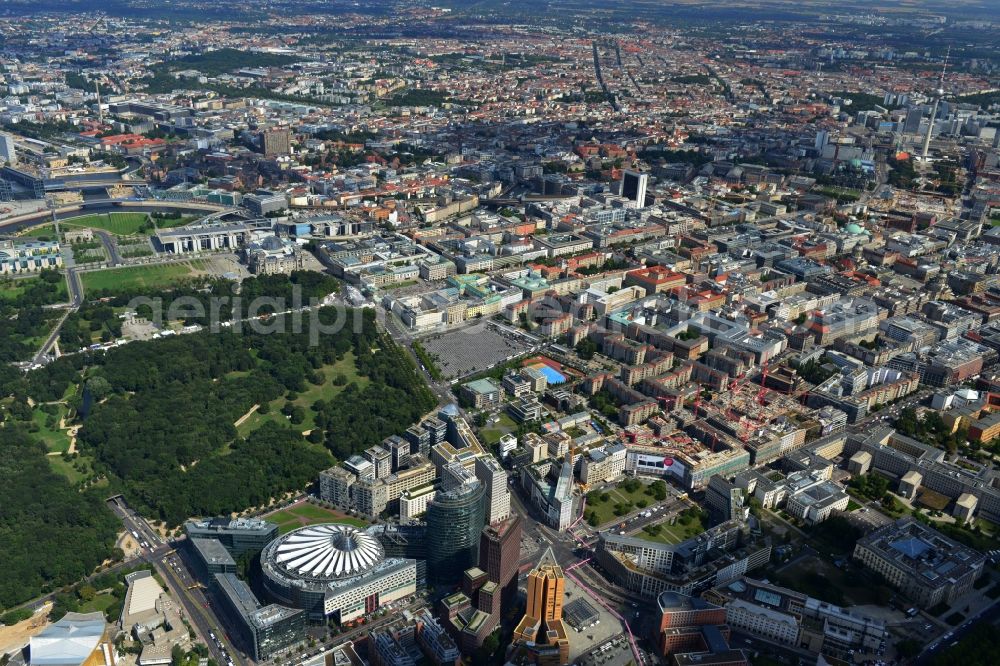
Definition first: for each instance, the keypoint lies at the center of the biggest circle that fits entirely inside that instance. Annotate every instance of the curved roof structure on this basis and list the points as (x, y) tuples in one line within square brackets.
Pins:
[(68, 642), (327, 551)]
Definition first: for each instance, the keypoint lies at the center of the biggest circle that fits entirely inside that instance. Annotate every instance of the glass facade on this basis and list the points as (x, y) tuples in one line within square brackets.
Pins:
[(454, 521)]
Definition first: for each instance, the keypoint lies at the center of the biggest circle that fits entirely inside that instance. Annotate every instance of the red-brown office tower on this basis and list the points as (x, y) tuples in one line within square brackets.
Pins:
[(500, 551)]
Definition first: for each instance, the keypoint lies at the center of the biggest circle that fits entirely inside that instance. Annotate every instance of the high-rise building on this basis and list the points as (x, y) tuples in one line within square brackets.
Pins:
[(494, 477), (7, 151), (540, 636), (634, 187), (455, 518), (912, 123), (500, 550), (381, 459), (277, 141), (474, 613)]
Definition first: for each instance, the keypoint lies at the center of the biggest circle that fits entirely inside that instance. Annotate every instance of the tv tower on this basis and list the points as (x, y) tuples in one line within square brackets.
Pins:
[(934, 109)]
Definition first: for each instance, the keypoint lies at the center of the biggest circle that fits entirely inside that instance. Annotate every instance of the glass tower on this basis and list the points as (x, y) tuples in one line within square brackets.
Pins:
[(455, 518)]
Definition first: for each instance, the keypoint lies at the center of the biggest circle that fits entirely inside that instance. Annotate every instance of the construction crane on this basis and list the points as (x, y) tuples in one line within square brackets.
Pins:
[(763, 386)]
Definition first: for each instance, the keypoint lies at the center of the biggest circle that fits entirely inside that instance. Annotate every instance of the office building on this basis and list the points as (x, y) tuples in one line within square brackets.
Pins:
[(437, 644), (540, 637), (28, 256), (500, 550), (413, 503), (725, 499), (717, 555), (549, 485), (410, 639), (379, 489), (481, 393), (261, 631), (788, 618), (494, 479), (335, 486), (920, 562), (237, 535), (603, 464), (809, 495), (7, 151), (381, 459), (634, 187), (262, 202), (360, 467), (690, 624), (153, 619), (455, 518), (276, 141), (211, 557)]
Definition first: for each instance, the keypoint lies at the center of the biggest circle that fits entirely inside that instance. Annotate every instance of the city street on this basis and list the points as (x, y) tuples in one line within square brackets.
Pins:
[(180, 584)]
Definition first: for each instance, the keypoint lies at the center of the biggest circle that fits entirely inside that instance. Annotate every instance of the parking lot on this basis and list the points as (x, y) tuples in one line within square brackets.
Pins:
[(474, 349)]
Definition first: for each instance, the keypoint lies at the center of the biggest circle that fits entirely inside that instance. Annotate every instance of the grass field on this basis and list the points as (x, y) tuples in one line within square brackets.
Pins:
[(46, 231), (673, 534), (100, 602), (493, 433), (325, 391), (11, 288), (121, 224), (304, 514), (55, 440), (399, 285), (138, 277), (605, 510), (67, 468)]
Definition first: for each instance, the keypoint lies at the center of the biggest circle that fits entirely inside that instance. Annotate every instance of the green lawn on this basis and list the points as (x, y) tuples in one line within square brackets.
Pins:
[(11, 288), (67, 469), (308, 514), (101, 602), (673, 534), (120, 224), (631, 501), (492, 434), (325, 391), (138, 277), (55, 439), (46, 231), (398, 285)]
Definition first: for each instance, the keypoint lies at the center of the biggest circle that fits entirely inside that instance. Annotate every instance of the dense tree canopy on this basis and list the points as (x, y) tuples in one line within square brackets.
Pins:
[(166, 437), (158, 424), (23, 317), (50, 533)]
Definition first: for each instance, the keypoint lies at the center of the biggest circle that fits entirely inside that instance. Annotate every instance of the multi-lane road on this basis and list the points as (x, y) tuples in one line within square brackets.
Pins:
[(155, 550)]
